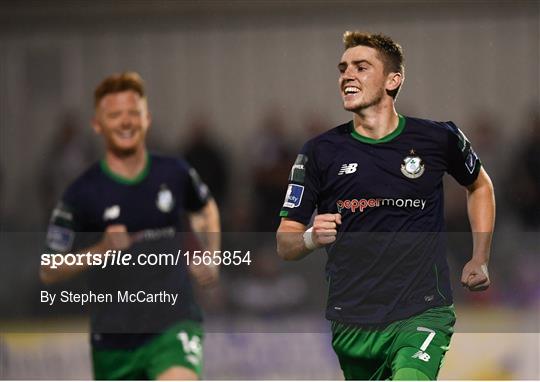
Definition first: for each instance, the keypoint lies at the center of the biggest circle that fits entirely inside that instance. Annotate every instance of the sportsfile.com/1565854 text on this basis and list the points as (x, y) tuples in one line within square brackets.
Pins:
[(118, 258)]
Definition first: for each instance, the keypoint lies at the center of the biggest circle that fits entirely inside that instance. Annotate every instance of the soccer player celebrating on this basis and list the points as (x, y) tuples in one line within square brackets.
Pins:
[(376, 183), (137, 199)]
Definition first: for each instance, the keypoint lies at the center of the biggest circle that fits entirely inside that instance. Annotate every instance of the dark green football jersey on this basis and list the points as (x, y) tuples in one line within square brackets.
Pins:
[(153, 207)]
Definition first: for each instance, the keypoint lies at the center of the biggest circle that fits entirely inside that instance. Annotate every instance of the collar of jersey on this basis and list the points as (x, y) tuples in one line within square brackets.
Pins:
[(123, 180), (387, 138)]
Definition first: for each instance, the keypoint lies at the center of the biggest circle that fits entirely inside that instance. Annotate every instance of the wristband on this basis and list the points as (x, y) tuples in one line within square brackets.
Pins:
[(484, 269), (308, 239)]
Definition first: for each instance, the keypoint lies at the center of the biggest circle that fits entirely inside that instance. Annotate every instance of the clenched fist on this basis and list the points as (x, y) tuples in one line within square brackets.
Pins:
[(324, 230), (116, 237), (475, 276)]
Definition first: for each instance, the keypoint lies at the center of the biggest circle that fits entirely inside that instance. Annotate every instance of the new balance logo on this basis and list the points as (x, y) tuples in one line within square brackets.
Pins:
[(348, 168), (421, 355), (111, 213)]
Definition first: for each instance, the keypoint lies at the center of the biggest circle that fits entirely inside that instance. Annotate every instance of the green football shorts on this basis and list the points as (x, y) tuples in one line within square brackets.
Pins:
[(413, 348), (180, 345)]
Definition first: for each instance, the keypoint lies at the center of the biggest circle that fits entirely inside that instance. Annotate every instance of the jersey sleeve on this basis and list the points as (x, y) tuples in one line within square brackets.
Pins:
[(62, 228), (69, 228), (196, 192), (463, 163), (303, 187)]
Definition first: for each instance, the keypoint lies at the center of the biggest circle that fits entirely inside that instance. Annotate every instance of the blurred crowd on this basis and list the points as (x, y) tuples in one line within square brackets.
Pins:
[(267, 286)]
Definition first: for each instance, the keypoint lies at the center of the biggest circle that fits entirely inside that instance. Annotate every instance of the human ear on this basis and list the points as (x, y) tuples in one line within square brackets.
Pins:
[(95, 125), (394, 81)]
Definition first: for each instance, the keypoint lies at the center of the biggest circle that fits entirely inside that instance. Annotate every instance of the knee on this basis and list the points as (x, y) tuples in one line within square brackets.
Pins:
[(178, 373)]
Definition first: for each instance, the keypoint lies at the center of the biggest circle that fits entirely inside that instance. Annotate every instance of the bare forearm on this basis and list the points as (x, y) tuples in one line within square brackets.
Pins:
[(207, 227), (290, 240), (291, 246), (481, 211), (115, 237), (294, 242)]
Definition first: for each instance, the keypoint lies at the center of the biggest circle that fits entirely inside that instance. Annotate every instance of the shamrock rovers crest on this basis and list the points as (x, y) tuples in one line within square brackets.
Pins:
[(412, 166), (165, 199)]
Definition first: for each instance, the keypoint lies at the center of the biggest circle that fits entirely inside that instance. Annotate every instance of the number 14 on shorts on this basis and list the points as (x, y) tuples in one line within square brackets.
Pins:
[(192, 347)]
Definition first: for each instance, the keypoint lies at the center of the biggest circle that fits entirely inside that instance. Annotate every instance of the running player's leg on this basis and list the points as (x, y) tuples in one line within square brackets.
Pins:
[(361, 353), (421, 344), (407, 366), (176, 353), (359, 368), (408, 374), (117, 364), (177, 373)]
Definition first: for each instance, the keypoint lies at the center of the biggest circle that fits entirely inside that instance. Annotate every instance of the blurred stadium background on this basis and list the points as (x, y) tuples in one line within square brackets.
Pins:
[(236, 87)]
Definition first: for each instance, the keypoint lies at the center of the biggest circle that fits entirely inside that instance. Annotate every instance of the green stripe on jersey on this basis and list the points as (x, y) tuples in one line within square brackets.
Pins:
[(388, 138), (123, 180)]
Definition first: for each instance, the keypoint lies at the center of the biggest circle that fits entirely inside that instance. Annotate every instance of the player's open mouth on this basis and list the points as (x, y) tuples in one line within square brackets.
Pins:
[(351, 90), (126, 134)]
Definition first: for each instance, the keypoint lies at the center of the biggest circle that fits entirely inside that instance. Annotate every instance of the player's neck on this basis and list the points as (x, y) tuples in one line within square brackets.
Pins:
[(376, 122), (127, 166)]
